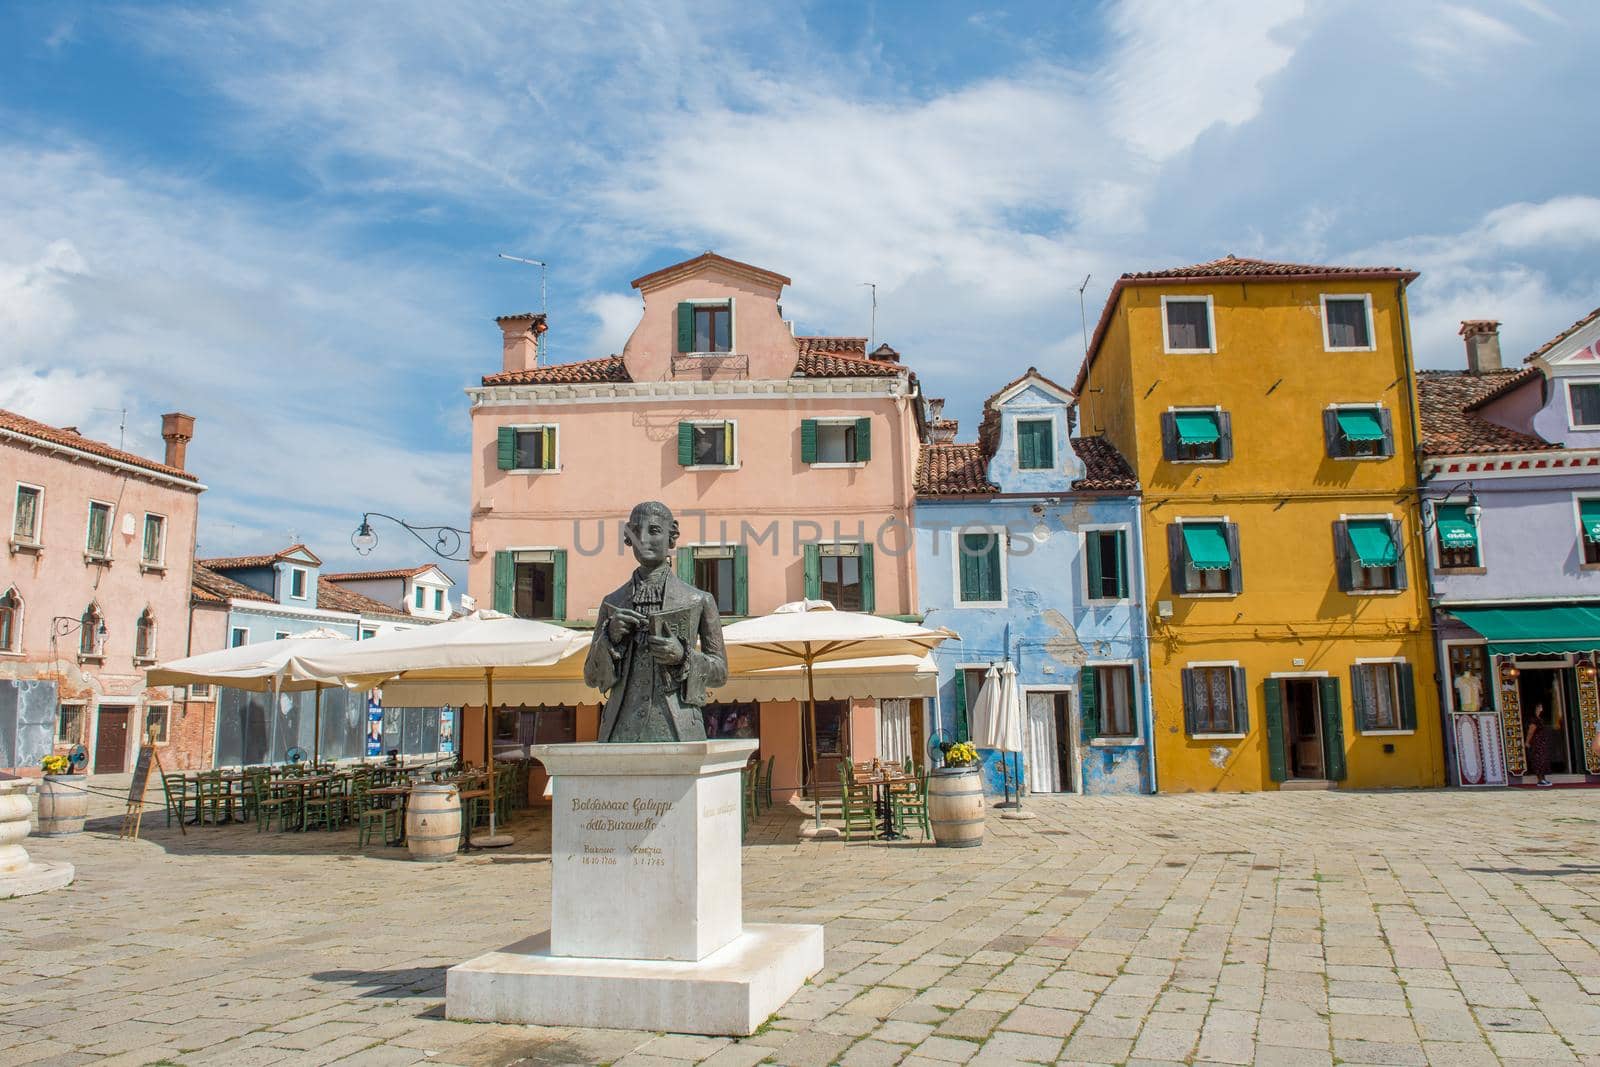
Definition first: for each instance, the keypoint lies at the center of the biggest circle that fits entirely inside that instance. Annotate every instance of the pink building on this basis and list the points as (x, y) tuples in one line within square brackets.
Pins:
[(787, 460), (94, 587)]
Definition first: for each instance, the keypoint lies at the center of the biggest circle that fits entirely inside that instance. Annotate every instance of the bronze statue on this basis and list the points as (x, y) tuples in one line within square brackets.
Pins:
[(643, 656)]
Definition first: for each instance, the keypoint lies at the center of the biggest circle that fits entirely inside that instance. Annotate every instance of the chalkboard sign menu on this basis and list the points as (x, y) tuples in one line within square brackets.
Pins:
[(141, 781), (141, 774)]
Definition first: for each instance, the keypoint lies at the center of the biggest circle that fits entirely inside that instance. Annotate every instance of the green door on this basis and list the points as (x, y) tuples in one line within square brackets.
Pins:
[(1277, 756), (1332, 729)]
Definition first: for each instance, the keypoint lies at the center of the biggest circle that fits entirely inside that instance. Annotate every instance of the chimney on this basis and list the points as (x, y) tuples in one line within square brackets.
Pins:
[(521, 340), (942, 431), (177, 429), (1483, 345), (884, 354), (935, 408)]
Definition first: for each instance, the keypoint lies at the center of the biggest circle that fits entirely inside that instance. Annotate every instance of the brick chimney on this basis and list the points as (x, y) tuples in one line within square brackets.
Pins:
[(521, 340), (1483, 345), (177, 430)]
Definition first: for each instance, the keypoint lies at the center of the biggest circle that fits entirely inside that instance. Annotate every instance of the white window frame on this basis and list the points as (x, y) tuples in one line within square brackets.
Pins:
[(1207, 520), (1074, 726), (733, 326), (1372, 334), (438, 599), (111, 524), (1572, 412), (235, 631), (1215, 409), (1211, 325), (1121, 740), (1236, 665), (1003, 540), (38, 517), (1127, 548), (160, 562), (1362, 405), (305, 586), (1362, 660), (201, 691), (1055, 443), (1491, 691), (16, 623), (829, 421), (144, 724), (518, 427), (1577, 521), (737, 452), (518, 550), (1399, 547)]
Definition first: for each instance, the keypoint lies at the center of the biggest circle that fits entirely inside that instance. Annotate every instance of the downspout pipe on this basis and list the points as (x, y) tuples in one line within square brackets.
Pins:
[(1141, 619)]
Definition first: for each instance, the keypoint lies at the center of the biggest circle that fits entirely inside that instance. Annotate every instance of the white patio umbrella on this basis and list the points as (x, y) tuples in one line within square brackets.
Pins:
[(809, 632), (477, 648), (268, 667), (1007, 730)]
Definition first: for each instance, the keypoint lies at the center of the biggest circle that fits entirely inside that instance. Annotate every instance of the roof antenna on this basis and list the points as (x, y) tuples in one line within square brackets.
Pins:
[(1083, 319), (544, 301), (122, 427), (872, 332)]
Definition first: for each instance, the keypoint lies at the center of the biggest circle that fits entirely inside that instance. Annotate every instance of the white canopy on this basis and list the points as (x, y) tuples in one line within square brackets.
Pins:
[(259, 668), (560, 683), (880, 677), (812, 631)]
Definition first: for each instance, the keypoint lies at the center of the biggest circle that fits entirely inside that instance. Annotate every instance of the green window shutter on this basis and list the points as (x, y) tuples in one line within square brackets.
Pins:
[(1121, 537), (1361, 709), (733, 338), (1241, 701), (1027, 447), (686, 565), (971, 570), (863, 440), (812, 555), (741, 581), (549, 456), (685, 444), (869, 597), (1089, 702), (505, 580), (506, 448), (1277, 754), (1342, 567), (727, 445), (808, 440), (960, 689), (1091, 548), (686, 327), (1192, 699), (1332, 729), (1408, 696), (558, 592)]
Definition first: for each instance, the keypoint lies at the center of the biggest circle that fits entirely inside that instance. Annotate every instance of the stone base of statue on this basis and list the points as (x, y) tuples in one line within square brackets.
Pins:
[(646, 916), (20, 875)]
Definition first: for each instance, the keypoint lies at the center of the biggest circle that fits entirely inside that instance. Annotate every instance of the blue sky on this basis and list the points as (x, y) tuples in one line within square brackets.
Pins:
[(283, 218)]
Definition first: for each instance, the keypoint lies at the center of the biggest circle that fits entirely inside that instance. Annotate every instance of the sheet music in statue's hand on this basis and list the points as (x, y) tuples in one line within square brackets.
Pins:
[(674, 623)]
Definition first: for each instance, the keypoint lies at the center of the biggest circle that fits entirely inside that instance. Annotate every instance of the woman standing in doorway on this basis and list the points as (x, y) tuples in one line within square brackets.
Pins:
[(1538, 743)]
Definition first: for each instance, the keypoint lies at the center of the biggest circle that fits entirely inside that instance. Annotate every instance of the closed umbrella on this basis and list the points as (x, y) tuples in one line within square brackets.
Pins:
[(1008, 727)]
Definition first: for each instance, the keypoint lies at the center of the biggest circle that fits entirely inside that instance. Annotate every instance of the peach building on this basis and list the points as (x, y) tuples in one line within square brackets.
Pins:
[(94, 588), (787, 460)]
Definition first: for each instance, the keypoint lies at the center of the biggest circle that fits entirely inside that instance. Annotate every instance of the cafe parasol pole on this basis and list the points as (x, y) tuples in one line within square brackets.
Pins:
[(493, 839), (316, 729)]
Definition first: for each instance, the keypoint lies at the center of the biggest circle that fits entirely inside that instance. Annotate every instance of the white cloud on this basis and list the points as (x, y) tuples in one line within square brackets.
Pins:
[(1564, 221)]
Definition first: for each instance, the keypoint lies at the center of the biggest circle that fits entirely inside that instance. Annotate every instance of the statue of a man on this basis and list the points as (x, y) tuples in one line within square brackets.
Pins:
[(644, 656)]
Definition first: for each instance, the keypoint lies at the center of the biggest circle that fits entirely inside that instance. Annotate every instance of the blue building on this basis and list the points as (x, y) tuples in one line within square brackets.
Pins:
[(1028, 547), (252, 599)]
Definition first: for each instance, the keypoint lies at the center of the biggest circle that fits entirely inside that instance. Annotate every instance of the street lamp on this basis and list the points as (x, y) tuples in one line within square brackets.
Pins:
[(447, 542)]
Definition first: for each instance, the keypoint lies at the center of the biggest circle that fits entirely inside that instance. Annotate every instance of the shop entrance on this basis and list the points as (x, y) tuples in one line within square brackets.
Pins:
[(111, 740), (1302, 727), (1551, 693), (1049, 741)]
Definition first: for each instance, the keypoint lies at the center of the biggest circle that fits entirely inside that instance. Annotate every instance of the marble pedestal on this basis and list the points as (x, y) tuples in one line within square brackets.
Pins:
[(646, 924), (20, 875)]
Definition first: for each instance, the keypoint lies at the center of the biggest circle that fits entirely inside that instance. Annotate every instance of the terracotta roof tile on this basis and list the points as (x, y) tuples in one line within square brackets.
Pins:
[(21, 424), (833, 365), (944, 470), (690, 265), (583, 372), (1451, 427), (1105, 468), (849, 346), (1231, 266), (1512, 383), (331, 596), (236, 563), (393, 572), (209, 587), (1563, 335)]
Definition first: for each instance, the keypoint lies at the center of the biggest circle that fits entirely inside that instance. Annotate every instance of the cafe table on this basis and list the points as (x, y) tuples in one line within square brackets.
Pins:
[(881, 783)]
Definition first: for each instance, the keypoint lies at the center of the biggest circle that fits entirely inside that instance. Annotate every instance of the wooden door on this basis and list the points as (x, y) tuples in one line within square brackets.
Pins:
[(111, 741)]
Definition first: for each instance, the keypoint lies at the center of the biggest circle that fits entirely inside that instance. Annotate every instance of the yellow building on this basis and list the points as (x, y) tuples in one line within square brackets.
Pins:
[(1268, 410)]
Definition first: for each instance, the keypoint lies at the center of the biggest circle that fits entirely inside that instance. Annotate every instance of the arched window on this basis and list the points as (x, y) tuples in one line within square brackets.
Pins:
[(144, 636), (91, 632), (10, 622)]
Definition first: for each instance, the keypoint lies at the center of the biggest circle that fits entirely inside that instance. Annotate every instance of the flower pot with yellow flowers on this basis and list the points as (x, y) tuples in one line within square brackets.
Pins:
[(955, 798), (63, 799)]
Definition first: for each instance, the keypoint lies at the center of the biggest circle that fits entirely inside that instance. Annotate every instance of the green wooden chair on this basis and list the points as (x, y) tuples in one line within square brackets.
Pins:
[(368, 815), (910, 806), (324, 803), (764, 789), (749, 778), (286, 808), (176, 788), (856, 808)]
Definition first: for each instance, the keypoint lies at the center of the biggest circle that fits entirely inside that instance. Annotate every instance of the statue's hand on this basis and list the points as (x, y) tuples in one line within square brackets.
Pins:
[(667, 651), (622, 624)]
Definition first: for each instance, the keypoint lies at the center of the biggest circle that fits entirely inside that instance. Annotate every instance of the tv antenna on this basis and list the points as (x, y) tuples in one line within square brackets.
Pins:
[(1083, 321), (872, 331), (122, 427)]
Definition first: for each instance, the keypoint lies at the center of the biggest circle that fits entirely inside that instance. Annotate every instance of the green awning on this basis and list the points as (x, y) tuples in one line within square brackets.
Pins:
[(1197, 427), (1535, 629), (1589, 516), (1455, 529), (1360, 424), (1373, 543), (1207, 546)]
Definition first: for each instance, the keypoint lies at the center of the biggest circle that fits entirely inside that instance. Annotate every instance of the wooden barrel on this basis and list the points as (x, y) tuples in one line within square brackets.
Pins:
[(63, 805), (955, 807), (433, 822)]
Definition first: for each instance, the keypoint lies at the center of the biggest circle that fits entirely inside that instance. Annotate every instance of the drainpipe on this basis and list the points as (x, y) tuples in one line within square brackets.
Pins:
[(1142, 620), (1445, 731)]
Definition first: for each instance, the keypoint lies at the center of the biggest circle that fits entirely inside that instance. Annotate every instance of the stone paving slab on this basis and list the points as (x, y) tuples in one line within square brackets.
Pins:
[(1431, 928)]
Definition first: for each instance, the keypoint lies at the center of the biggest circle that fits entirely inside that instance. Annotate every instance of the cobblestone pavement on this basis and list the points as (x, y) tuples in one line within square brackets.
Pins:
[(1295, 928)]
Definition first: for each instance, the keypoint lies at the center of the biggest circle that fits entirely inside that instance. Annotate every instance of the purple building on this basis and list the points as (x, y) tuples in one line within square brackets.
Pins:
[(1511, 485)]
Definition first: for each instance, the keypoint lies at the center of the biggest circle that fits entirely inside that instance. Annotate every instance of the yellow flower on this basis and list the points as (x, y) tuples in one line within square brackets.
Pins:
[(56, 764)]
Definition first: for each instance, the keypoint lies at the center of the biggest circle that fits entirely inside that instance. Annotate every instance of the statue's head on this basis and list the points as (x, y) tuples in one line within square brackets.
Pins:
[(651, 532)]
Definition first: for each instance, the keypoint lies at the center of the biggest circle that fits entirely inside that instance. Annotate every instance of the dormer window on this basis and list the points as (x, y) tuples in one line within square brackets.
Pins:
[(1036, 444), (1583, 404), (705, 326), (297, 582)]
